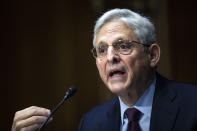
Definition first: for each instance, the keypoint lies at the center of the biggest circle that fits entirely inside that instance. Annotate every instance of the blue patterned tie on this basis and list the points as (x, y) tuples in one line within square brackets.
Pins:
[(133, 119)]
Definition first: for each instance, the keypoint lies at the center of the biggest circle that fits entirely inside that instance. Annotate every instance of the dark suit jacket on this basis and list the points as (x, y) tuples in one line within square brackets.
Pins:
[(174, 109)]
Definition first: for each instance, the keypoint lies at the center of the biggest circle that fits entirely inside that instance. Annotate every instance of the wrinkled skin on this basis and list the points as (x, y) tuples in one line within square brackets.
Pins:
[(29, 119)]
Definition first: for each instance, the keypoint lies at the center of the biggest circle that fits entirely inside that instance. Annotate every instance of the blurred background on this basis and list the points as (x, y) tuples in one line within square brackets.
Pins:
[(45, 48)]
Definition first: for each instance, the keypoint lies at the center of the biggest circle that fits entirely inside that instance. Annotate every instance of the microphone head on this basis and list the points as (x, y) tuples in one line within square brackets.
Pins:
[(70, 92)]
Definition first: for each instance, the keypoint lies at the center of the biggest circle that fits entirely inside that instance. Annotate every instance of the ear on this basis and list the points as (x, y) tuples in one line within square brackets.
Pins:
[(154, 54)]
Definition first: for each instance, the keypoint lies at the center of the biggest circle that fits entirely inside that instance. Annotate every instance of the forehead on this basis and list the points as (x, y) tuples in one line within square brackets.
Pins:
[(114, 30)]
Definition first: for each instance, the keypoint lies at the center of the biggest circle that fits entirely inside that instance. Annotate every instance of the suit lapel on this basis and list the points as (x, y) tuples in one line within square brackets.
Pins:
[(113, 116), (164, 109)]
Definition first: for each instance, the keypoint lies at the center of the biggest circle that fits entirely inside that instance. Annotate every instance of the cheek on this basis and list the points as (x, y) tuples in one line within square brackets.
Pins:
[(138, 65), (101, 69), (131, 63)]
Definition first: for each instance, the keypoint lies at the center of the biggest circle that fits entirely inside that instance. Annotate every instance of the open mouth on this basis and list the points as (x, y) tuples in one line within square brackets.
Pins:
[(116, 73)]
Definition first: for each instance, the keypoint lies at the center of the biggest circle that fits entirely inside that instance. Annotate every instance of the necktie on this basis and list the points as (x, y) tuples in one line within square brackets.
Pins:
[(133, 118)]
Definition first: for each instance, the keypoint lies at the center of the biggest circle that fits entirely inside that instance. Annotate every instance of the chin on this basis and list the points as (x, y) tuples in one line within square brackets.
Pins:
[(117, 88)]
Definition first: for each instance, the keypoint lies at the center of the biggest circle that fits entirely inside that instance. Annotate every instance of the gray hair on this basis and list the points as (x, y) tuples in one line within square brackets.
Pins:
[(141, 25)]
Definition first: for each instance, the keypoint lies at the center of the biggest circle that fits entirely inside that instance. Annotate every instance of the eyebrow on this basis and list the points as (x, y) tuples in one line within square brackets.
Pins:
[(118, 38), (101, 43)]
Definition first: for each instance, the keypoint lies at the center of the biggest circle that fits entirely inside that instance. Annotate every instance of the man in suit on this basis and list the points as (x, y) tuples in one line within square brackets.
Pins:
[(127, 56)]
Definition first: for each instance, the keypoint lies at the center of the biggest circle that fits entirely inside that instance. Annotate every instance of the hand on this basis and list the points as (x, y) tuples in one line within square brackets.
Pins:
[(29, 119)]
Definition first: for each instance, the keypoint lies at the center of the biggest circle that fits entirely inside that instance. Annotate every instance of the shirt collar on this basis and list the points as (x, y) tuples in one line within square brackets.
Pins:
[(144, 104)]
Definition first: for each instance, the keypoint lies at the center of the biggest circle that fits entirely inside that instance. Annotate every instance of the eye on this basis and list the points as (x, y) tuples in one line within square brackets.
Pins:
[(117, 44), (101, 49), (125, 46)]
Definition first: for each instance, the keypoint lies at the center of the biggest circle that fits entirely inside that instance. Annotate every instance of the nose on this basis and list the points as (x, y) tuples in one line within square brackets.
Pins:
[(112, 55)]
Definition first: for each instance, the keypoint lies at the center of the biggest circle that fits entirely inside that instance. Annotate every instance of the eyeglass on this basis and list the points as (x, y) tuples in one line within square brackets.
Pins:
[(123, 47)]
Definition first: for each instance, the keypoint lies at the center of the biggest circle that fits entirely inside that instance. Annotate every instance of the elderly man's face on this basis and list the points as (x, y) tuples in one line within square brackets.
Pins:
[(120, 72)]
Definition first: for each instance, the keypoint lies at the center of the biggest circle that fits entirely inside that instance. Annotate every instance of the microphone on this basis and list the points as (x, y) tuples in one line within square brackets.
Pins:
[(69, 93)]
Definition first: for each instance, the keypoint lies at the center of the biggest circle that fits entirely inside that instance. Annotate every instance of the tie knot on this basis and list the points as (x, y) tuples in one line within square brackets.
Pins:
[(133, 114)]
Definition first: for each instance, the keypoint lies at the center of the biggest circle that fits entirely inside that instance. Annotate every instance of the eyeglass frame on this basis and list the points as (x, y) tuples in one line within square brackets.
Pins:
[(116, 50)]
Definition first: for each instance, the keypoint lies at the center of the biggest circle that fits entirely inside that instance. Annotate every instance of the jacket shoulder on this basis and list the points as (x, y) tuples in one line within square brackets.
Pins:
[(102, 109), (185, 91), (97, 117)]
